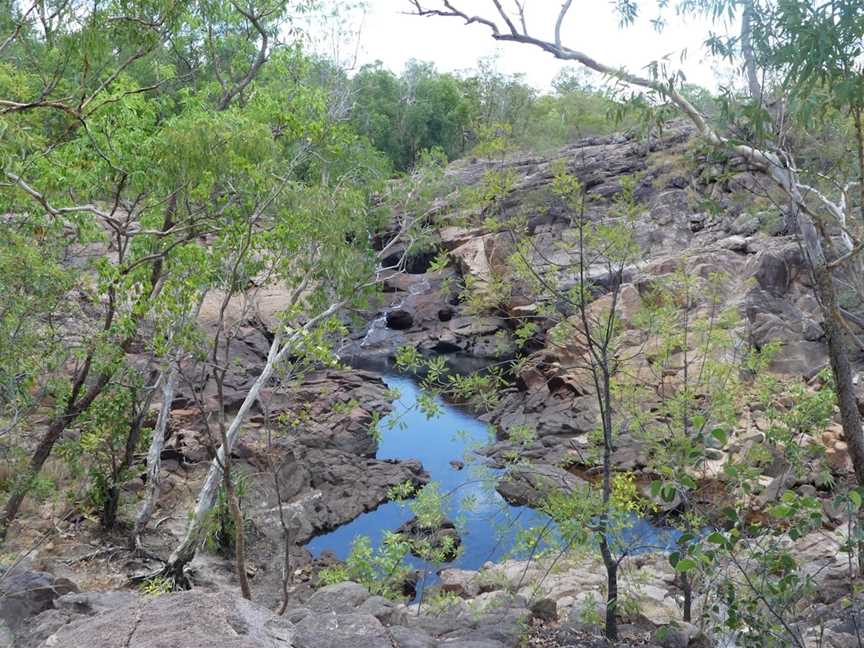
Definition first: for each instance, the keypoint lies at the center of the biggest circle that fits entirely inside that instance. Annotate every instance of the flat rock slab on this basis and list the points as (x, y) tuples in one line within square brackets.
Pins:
[(179, 620)]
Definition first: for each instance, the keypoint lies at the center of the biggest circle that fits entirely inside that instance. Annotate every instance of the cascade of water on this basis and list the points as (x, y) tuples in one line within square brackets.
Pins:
[(381, 321)]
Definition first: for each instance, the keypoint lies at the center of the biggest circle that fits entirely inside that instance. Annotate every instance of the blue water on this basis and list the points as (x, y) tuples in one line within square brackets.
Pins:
[(487, 525)]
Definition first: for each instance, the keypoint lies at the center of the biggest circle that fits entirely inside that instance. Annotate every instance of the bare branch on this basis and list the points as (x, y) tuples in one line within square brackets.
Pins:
[(452, 12), (506, 17), (19, 25), (260, 58), (561, 15)]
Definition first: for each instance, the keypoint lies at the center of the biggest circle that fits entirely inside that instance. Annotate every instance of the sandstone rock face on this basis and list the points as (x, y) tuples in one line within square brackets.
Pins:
[(748, 250), (181, 620), (338, 616)]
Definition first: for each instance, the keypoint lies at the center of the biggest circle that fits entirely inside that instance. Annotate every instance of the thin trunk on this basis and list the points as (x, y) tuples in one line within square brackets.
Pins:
[(687, 588), (108, 514), (286, 571), (134, 435), (185, 551), (43, 450), (237, 517), (841, 369), (611, 589), (747, 54), (227, 479), (154, 457), (283, 522), (160, 434), (608, 559), (859, 140)]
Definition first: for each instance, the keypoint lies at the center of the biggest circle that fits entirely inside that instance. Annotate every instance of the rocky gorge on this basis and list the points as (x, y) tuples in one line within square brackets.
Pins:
[(309, 444)]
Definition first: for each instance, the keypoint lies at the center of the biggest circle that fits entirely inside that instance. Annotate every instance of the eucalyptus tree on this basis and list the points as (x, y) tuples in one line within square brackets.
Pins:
[(137, 140)]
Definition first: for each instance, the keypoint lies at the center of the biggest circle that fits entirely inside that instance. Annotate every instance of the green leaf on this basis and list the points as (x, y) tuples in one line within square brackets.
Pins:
[(782, 511), (721, 435), (685, 565), (716, 538)]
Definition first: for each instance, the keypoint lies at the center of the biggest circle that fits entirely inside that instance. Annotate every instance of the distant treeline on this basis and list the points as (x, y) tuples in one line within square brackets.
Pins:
[(422, 108)]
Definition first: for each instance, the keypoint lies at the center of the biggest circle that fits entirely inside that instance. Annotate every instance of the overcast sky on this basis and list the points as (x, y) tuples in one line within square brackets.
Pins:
[(391, 36)]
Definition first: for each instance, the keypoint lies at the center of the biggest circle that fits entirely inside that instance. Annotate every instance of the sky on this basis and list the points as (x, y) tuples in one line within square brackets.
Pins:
[(388, 34)]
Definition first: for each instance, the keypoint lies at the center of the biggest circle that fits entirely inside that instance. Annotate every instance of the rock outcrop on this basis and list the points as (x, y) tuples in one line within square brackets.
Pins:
[(345, 615), (702, 218)]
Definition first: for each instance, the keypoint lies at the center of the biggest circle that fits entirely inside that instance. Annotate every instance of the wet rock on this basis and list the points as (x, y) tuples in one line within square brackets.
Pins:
[(399, 320)]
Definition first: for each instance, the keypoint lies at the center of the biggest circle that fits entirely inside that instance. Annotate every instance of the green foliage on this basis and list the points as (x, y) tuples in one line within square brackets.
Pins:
[(440, 602), (141, 170), (422, 109), (220, 533), (156, 586), (99, 451), (382, 572)]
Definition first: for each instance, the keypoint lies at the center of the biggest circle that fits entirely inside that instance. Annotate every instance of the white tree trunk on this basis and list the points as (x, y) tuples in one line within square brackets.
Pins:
[(185, 551), (154, 456)]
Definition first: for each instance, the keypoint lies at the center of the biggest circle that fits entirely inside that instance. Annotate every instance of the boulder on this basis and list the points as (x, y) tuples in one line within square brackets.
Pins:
[(462, 582), (93, 603), (332, 630), (527, 485), (679, 635), (25, 593), (340, 597), (545, 609), (411, 638)]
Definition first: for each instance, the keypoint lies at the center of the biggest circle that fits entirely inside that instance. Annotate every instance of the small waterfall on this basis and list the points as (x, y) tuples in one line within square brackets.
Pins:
[(373, 326), (381, 321)]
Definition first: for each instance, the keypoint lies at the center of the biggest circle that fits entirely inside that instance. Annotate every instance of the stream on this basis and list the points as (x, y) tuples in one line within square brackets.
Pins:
[(488, 528)]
